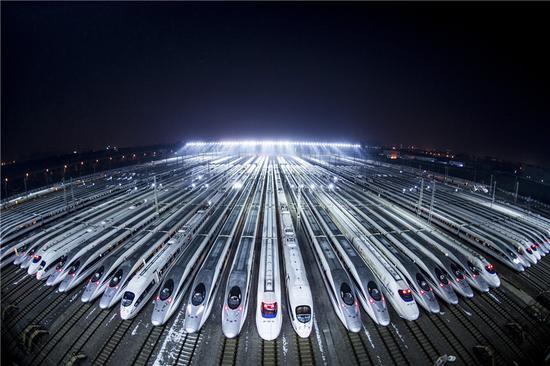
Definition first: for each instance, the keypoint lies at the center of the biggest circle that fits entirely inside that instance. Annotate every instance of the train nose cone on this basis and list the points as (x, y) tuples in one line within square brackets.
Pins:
[(382, 315), (51, 279), (467, 290), (107, 297), (87, 294), (354, 325), (32, 270), (158, 316), (126, 312), (192, 324), (64, 286), (451, 296), (230, 332), (433, 305)]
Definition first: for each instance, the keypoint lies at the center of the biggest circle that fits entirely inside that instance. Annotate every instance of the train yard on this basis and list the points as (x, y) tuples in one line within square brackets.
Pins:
[(226, 257)]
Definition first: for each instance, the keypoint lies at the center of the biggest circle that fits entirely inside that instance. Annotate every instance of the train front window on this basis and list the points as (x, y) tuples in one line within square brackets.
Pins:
[(198, 295), (406, 294), (167, 290), (346, 294), (269, 309), (473, 268), (422, 282), (234, 299), (97, 275), (374, 292), (127, 298), (441, 276), (457, 272), (116, 279), (74, 267), (36, 259), (303, 313)]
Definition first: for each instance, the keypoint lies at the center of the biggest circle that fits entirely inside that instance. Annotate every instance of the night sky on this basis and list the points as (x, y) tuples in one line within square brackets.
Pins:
[(466, 76)]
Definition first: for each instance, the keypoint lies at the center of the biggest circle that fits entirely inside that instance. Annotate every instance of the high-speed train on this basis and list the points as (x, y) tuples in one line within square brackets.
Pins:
[(368, 290), (106, 268), (298, 291), (239, 281), (206, 282), (391, 282), (80, 260), (269, 317), (185, 220), (340, 288), (179, 277)]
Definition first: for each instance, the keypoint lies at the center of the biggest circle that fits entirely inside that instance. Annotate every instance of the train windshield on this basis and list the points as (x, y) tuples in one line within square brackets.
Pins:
[(97, 274), (116, 279), (61, 263), (167, 290), (36, 259), (374, 292), (457, 272), (128, 298), (473, 268), (269, 309), (346, 294), (422, 282), (490, 268), (406, 294), (74, 268), (234, 299), (441, 276), (303, 313), (198, 295)]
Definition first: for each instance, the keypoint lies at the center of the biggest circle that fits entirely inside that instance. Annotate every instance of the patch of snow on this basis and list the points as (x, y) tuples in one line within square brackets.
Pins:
[(399, 335), (368, 336), (319, 341)]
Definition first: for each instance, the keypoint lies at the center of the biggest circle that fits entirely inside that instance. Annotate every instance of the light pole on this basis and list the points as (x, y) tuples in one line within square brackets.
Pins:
[(25, 181), (6, 187)]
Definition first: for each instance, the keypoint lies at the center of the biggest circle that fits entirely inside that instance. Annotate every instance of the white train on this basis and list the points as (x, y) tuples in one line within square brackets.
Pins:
[(238, 287), (299, 297), (269, 317)]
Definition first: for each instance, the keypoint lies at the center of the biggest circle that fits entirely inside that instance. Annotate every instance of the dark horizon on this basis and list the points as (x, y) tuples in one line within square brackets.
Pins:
[(470, 77)]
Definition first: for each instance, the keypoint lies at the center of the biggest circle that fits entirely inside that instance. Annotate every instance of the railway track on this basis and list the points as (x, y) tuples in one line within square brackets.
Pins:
[(229, 351), (477, 335), (11, 273), (27, 287), (392, 346), (359, 349), (44, 351), (148, 346), (109, 347), (499, 331), (511, 315), (423, 340), (187, 350), (32, 305), (306, 357), (269, 356), (85, 335), (461, 351)]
